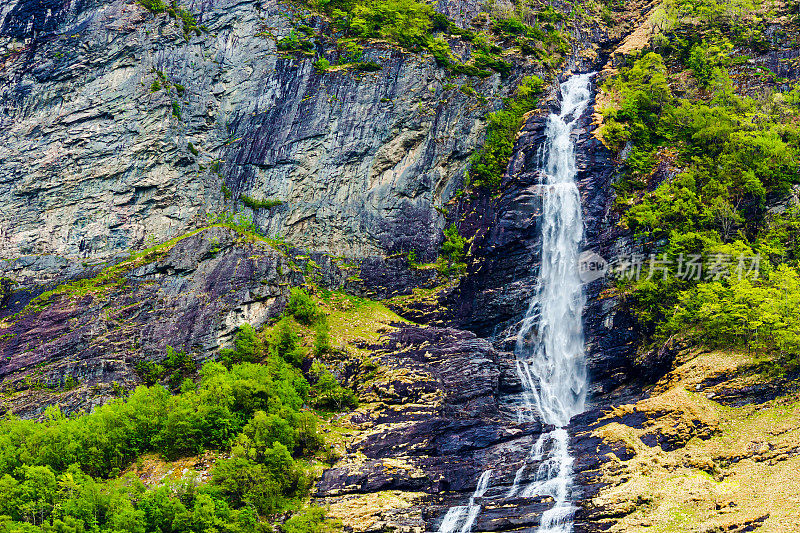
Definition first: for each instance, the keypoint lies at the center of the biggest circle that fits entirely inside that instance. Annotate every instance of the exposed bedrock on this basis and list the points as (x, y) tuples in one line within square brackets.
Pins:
[(191, 296), (96, 155)]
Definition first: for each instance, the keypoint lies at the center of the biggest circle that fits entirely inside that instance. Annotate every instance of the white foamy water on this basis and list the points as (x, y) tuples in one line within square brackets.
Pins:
[(550, 350), (462, 517)]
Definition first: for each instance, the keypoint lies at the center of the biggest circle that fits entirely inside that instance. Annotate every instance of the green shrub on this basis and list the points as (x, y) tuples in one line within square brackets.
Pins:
[(322, 65), (154, 6), (490, 162), (149, 371), (327, 393), (729, 164), (311, 520), (287, 343), (189, 22), (406, 22), (294, 43), (351, 51), (70, 383), (368, 66), (322, 338), (511, 26), (441, 51), (757, 314), (194, 151), (176, 110), (484, 60), (452, 254), (253, 203), (303, 307), (248, 347)]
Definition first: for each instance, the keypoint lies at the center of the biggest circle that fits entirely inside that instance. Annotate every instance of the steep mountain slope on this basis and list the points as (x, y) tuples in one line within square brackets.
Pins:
[(173, 174)]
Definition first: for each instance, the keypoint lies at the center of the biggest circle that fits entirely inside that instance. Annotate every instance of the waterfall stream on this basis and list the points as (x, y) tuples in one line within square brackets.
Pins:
[(549, 351)]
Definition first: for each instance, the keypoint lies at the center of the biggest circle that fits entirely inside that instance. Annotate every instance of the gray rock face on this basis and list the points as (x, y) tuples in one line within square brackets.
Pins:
[(94, 160), (191, 296)]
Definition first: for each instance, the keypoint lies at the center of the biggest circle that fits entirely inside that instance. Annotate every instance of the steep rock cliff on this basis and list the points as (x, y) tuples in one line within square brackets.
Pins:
[(104, 105)]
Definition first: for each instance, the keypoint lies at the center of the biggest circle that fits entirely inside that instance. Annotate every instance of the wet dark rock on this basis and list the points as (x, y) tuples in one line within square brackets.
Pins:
[(759, 393), (502, 275), (461, 430)]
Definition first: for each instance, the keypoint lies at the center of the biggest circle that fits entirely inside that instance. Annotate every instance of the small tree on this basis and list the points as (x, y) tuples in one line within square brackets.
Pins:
[(287, 343), (322, 339), (303, 307)]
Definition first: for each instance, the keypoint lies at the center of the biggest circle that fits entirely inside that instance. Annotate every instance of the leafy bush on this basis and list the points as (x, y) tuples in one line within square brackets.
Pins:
[(368, 66), (149, 371), (186, 17), (286, 343), (302, 306), (70, 383), (322, 65), (351, 51), (406, 22), (484, 60), (327, 393), (453, 251), (322, 338), (253, 203), (248, 347), (227, 193), (155, 6), (294, 43), (311, 520), (489, 163)]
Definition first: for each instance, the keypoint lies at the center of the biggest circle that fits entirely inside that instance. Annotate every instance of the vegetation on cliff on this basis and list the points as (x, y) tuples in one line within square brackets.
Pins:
[(417, 27), (63, 474), (250, 413), (683, 105), (490, 162)]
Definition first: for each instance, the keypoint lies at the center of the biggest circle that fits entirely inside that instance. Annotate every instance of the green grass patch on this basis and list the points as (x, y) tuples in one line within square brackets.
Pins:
[(254, 203)]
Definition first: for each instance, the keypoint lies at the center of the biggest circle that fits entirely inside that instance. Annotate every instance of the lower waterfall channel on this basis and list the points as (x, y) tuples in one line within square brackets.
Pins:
[(550, 359)]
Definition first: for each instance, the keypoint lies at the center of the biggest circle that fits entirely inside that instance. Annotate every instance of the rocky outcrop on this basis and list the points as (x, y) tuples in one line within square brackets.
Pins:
[(119, 130), (679, 459), (70, 347), (433, 420)]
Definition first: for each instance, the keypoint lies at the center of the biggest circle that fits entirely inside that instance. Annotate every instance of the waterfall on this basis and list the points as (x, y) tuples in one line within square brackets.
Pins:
[(550, 350), (465, 515)]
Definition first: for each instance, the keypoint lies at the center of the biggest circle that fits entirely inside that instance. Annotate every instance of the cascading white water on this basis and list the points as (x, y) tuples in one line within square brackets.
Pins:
[(462, 517), (550, 350)]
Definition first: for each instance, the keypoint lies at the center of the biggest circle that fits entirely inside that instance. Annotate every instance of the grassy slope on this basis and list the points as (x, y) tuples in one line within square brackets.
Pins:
[(737, 466)]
